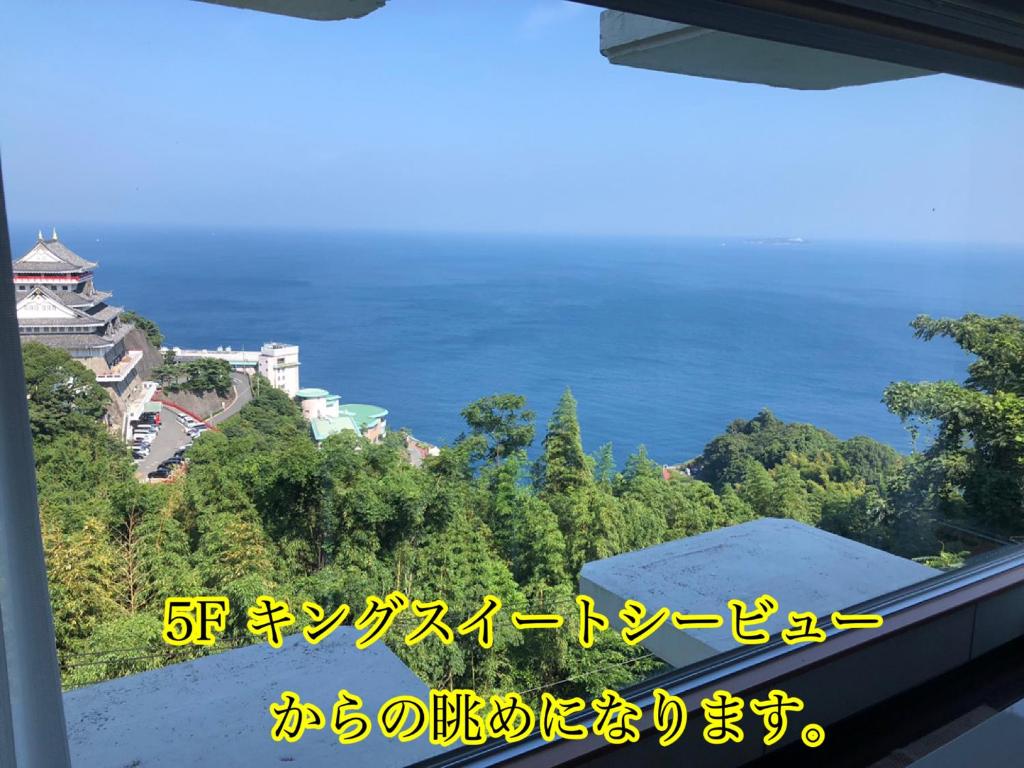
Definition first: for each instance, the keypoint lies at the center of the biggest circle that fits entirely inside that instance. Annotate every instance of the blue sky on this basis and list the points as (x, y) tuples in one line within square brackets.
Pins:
[(471, 115)]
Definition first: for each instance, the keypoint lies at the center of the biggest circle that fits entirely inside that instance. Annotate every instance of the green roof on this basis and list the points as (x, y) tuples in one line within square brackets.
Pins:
[(310, 392), (364, 415), (152, 407), (324, 428), (352, 417)]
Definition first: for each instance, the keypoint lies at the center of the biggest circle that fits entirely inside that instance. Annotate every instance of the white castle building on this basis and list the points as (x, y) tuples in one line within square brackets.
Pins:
[(58, 305)]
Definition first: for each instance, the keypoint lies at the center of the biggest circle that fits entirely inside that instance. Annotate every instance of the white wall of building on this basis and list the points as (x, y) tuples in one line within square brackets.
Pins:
[(314, 408), (279, 364)]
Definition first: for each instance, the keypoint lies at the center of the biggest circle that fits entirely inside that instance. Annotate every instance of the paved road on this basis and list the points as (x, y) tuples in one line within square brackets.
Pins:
[(172, 434), (243, 394), (170, 438)]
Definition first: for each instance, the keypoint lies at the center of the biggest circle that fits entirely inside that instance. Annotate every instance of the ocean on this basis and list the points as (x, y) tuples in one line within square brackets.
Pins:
[(663, 342)]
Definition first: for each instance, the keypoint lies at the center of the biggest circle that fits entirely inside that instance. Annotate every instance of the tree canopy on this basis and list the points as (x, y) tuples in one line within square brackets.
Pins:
[(973, 468), (205, 374)]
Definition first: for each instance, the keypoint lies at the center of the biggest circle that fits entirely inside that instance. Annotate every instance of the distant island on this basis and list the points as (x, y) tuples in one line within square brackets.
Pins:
[(778, 241)]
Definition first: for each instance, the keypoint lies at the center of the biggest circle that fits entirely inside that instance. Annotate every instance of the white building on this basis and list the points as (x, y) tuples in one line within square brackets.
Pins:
[(58, 305), (327, 416), (279, 364)]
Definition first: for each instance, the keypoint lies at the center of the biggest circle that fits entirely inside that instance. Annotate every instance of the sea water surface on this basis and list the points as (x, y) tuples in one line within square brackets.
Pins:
[(663, 342)]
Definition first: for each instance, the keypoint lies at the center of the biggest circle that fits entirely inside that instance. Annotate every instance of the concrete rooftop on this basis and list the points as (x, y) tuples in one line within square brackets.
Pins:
[(803, 568), (214, 711)]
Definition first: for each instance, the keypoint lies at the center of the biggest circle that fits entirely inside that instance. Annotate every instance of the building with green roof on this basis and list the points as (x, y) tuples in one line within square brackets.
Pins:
[(327, 416)]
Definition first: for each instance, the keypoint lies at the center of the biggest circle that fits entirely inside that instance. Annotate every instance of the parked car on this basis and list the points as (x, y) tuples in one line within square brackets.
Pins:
[(159, 473)]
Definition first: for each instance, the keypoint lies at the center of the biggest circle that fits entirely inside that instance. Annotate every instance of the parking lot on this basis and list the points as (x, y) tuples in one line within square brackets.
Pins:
[(170, 437)]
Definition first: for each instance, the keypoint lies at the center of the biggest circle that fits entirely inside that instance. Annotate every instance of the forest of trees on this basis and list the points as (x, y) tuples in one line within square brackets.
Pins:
[(263, 510)]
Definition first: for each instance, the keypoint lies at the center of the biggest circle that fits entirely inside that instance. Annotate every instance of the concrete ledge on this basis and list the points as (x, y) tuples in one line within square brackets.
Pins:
[(638, 41), (214, 711), (318, 10), (803, 568)]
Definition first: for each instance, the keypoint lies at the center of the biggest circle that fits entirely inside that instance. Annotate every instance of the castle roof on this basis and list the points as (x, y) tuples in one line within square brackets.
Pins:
[(94, 342), (51, 257), (44, 307)]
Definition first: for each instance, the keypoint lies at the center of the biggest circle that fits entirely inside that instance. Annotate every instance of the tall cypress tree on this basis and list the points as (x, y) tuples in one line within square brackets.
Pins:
[(564, 466), (604, 470)]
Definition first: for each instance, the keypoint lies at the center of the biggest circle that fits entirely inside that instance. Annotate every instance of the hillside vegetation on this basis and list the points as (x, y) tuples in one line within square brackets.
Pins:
[(263, 511)]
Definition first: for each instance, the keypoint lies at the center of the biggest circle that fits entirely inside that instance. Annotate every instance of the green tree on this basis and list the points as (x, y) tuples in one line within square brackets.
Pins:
[(873, 462), (119, 646), (757, 488), (564, 465), (63, 396), (604, 466), (82, 569), (975, 463), (161, 561), (207, 374), (695, 509), (460, 567), (764, 439), (858, 513), (504, 421)]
